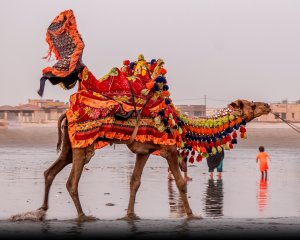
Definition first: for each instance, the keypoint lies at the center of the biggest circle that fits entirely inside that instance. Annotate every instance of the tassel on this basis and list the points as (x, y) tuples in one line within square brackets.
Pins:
[(234, 134), (42, 86), (213, 150), (242, 129), (228, 138), (219, 149), (226, 146), (191, 160)]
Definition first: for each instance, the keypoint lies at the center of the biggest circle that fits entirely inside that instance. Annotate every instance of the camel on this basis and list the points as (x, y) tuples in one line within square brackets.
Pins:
[(81, 156), (135, 93)]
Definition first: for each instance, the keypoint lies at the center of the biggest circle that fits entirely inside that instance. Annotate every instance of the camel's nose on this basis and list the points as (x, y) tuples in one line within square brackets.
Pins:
[(267, 106)]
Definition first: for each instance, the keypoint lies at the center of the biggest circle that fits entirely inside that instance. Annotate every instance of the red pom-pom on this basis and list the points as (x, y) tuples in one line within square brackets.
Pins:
[(199, 158), (234, 134), (218, 143), (230, 146), (193, 153), (191, 160), (242, 129), (224, 141), (242, 134), (126, 62), (228, 138), (211, 144), (163, 71)]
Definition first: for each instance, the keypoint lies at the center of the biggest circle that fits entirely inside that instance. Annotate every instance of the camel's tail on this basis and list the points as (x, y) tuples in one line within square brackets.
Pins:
[(59, 128)]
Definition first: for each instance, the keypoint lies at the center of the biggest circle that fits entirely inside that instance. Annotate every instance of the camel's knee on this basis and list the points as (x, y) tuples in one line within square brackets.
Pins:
[(48, 176), (71, 188)]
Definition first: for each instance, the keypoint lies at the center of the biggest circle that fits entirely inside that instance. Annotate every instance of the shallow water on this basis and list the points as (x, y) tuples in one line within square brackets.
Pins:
[(104, 185)]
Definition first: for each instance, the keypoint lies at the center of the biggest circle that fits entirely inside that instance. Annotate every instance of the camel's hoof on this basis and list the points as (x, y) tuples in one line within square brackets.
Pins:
[(193, 217), (36, 215), (84, 218), (130, 217)]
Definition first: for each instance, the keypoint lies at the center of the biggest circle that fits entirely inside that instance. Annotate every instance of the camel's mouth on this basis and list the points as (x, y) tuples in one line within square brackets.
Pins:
[(262, 109)]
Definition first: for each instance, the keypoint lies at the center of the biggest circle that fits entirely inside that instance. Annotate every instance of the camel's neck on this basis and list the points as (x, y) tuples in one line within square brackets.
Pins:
[(209, 135)]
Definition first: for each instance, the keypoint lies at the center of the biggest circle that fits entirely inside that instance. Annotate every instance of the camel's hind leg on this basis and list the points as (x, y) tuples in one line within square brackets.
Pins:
[(63, 160), (80, 157), (135, 183), (170, 153)]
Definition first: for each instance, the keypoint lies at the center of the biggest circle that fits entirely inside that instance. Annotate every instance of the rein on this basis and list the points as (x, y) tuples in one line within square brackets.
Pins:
[(293, 126)]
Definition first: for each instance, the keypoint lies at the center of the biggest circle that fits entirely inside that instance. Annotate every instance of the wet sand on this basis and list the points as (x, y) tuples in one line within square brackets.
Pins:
[(239, 203)]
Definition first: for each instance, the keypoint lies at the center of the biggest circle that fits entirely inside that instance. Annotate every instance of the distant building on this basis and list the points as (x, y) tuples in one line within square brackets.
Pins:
[(192, 110), (285, 110), (35, 111)]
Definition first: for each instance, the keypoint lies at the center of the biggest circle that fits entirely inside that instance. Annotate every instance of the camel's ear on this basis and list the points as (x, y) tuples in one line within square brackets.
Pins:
[(240, 104), (237, 104), (233, 104)]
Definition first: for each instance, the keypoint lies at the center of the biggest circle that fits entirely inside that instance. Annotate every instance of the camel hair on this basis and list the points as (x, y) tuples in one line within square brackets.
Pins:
[(248, 110)]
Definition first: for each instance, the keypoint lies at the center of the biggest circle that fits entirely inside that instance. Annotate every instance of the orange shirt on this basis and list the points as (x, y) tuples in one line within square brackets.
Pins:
[(263, 160)]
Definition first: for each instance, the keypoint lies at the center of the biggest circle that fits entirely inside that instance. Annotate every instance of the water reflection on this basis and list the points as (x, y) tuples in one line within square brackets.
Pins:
[(175, 201), (213, 206), (262, 195)]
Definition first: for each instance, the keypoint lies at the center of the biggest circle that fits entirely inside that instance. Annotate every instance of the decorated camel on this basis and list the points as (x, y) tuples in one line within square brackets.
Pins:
[(130, 105)]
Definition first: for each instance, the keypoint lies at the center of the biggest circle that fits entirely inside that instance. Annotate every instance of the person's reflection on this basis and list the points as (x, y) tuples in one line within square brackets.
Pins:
[(262, 195), (214, 198), (175, 201)]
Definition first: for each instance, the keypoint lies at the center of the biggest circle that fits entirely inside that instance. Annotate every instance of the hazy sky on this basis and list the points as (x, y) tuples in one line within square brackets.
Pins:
[(224, 49)]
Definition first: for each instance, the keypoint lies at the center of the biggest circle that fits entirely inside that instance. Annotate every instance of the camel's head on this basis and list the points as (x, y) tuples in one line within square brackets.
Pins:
[(249, 110)]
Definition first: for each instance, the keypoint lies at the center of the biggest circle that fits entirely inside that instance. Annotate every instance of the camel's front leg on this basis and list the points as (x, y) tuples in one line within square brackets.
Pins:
[(135, 183), (171, 155), (79, 159)]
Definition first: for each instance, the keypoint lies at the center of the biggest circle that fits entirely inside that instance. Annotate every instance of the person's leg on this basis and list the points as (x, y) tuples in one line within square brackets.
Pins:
[(211, 172), (262, 174), (220, 169), (266, 175), (186, 177)]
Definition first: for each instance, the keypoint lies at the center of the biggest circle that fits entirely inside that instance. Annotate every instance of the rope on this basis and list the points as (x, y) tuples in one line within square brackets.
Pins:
[(293, 126)]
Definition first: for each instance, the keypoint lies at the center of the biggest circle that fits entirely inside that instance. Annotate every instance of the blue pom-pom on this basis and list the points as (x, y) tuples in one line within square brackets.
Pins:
[(244, 122), (167, 101), (208, 150), (168, 130), (161, 112), (153, 61), (156, 87), (131, 65), (236, 126), (229, 130), (160, 79), (234, 141), (165, 87)]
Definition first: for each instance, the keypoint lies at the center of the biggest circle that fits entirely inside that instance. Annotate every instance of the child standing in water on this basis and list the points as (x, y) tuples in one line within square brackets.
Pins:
[(263, 158)]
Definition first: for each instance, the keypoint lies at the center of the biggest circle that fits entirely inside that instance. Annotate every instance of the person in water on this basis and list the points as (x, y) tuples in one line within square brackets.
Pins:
[(263, 158)]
